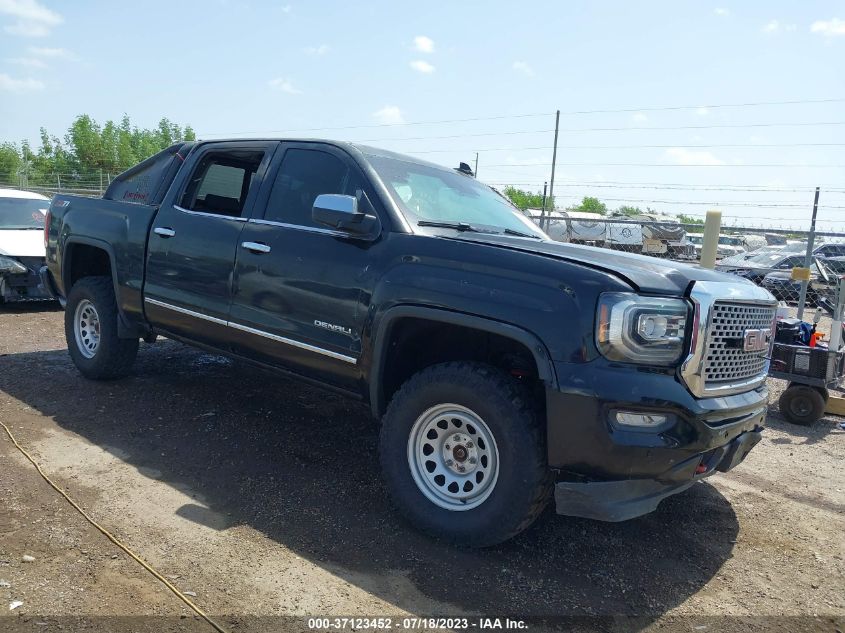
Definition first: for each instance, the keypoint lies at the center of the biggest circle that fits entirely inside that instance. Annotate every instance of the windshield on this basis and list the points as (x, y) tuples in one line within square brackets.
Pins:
[(22, 213), (730, 241), (696, 239), (432, 194)]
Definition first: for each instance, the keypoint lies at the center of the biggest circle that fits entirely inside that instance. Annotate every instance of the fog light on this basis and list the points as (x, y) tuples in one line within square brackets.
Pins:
[(641, 420)]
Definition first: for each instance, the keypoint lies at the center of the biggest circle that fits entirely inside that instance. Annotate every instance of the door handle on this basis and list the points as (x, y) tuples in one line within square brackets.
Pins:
[(255, 247), (164, 231)]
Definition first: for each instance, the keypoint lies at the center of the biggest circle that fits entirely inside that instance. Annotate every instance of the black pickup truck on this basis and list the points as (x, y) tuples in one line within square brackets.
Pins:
[(505, 368)]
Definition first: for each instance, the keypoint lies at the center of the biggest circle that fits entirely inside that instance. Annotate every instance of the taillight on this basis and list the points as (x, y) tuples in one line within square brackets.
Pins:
[(47, 218)]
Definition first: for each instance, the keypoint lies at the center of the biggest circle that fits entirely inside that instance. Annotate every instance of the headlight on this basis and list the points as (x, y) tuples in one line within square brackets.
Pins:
[(637, 329), (9, 265)]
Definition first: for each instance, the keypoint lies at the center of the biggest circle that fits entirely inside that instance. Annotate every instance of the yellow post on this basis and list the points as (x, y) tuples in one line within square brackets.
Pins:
[(712, 226)]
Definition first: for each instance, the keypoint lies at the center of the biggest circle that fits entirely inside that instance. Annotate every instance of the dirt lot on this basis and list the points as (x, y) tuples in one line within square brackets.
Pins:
[(263, 497)]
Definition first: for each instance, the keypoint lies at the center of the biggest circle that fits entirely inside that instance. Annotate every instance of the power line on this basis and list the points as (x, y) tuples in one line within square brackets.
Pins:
[(541, 114), (672, 186), (709, 107), (713, 145), (602, 164), (589, 129)]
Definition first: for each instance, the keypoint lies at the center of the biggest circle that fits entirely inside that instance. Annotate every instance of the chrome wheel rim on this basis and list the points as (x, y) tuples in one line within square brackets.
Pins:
[(453, 457), (86, 328)]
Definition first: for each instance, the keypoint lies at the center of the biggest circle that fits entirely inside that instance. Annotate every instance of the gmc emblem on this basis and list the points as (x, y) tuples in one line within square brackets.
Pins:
[(756, 340)]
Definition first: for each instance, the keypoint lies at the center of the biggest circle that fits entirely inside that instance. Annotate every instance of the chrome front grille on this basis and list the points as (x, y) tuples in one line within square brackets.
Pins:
[(725, 361)]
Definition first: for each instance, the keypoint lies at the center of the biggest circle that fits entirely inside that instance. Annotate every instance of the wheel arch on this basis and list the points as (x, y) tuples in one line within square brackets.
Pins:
[(97, 251), (385, 326)]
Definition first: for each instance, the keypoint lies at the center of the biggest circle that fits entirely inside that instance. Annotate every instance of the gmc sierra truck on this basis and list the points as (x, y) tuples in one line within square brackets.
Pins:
[(505, 368)]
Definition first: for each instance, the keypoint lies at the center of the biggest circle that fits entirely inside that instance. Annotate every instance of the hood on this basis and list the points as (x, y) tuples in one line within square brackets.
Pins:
[(646, 274), (25, 243)]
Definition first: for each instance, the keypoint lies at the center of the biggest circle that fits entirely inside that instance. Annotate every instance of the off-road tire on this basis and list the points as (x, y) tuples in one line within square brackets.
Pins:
[(114, 356), (524, 482)]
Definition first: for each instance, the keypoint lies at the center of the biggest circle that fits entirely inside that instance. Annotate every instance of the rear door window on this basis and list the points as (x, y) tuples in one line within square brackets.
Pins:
[(221, 182)]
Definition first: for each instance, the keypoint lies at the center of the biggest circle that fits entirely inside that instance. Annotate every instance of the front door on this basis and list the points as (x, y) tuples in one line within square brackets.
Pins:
[(301, 289), (191, 252)]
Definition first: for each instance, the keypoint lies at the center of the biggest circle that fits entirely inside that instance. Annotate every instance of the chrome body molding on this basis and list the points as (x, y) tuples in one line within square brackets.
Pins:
[(198, 315), (209, 215), (299, 227), (244, 328), (704, 295)]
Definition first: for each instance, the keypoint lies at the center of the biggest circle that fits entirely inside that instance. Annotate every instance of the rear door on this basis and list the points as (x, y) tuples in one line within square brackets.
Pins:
[(191, 250)]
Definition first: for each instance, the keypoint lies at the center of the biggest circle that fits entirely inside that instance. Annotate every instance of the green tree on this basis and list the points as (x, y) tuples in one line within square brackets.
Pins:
[(591, 205), (628, 210), (87, 154), (10, 163), (85, 143), (526, 200), (688, 219)]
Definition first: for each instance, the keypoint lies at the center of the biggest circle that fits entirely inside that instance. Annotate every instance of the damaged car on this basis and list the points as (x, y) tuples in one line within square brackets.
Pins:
[(21, 245)]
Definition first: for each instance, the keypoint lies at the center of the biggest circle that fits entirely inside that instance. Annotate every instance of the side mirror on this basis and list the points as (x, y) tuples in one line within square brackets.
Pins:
[(342, 213)]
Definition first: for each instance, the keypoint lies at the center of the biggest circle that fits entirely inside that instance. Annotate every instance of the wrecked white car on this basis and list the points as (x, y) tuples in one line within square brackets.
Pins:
[(21, 245)]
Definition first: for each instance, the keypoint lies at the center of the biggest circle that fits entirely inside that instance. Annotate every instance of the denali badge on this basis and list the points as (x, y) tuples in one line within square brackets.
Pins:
[(756, 340), (334, 328)]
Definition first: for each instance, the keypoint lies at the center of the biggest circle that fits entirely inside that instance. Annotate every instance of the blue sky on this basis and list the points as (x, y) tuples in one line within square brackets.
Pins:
[(232, 68)]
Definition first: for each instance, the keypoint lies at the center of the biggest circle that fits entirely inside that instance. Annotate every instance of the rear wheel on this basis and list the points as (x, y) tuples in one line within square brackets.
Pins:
[(91, 331), (463, 454), (801, 404)]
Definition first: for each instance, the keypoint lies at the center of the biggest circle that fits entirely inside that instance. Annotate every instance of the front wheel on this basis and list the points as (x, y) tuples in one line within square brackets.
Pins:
[(91, 331), (463, 454)]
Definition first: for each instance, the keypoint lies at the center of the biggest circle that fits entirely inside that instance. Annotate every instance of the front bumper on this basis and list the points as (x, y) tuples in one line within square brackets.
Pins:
[(18, 287), (626, 499), (609, 472)]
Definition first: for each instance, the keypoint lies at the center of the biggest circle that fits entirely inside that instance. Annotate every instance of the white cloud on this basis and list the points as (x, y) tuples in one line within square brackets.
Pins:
[(423, 44), (829, 28), (422, 66), (32, 18), (639, 117), (283, 85), (523, 68), (29, 62), (389, 115), (721, 12), (319, 51), (51, 52), (684, 156), (773, 27), (702, 111), (10, 84)]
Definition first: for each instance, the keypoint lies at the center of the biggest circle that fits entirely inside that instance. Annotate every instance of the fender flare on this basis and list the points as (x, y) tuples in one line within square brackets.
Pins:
[(124, 328), (383, 326)]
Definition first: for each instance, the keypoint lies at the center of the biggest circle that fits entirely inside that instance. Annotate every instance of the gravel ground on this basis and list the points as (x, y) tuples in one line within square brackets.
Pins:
[(263, 497)]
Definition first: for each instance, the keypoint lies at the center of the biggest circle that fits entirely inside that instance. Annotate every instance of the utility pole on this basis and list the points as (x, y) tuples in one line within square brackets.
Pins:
[(808, 258), (543, 212), (554, 162), (476, 164)]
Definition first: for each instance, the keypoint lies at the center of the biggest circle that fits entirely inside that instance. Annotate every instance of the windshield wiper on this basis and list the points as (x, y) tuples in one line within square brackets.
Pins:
[(458, 226), (521, 234)]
